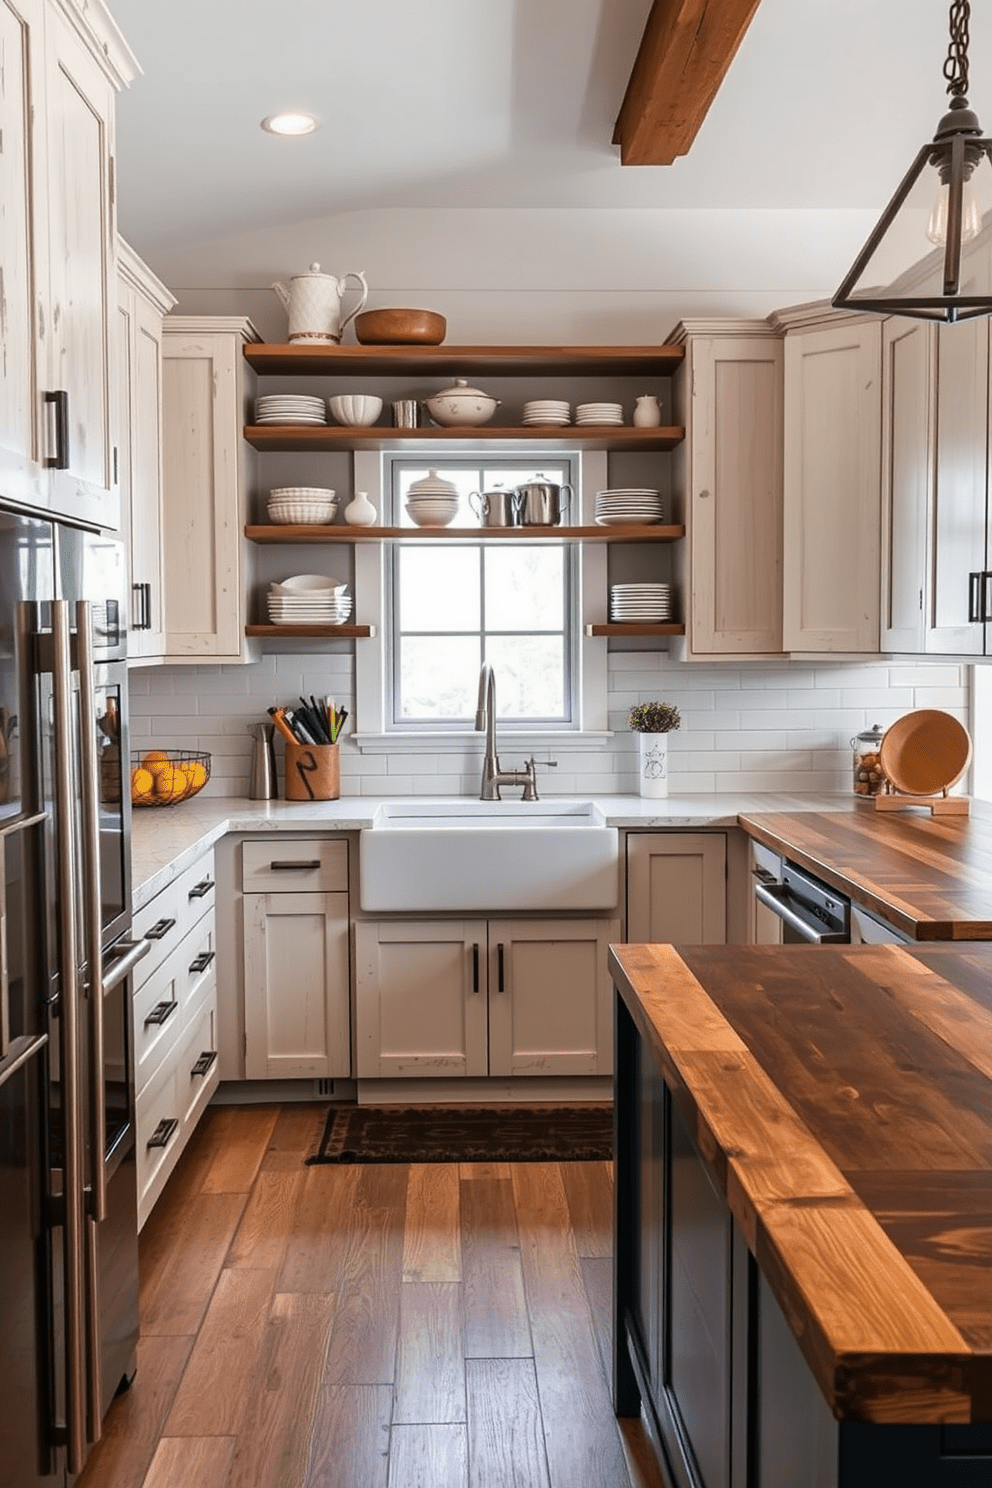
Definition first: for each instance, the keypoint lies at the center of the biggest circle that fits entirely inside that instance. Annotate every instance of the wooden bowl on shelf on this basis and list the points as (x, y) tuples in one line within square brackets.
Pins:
[(400, 328)]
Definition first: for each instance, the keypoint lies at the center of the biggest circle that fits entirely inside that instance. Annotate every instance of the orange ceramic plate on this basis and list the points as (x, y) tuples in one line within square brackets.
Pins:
[(925, 753)]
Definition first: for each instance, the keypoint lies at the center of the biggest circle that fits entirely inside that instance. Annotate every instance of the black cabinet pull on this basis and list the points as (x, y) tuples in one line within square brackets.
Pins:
[(203, 887), (202, 961), (161, 1013), (475, 966), (140, 621), (290, 865), (500, 986), (204, 1064), (986, 597), (163, 1133), (159, 930), (60, 459)]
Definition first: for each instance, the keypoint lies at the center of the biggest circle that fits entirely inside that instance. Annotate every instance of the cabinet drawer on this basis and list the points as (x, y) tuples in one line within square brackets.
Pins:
[(165, 1003), (165, 919), (197, 1066), (277, 866), (159, 1136)]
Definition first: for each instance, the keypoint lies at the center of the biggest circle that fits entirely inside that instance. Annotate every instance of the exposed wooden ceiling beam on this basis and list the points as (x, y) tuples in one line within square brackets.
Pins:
[(685, 51)]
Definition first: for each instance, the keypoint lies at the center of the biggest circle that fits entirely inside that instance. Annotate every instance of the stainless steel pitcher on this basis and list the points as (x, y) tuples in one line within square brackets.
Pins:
[(540, 503), (262, 780), (496, 508)]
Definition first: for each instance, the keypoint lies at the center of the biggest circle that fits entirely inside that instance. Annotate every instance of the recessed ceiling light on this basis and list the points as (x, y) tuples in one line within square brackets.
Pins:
[(291, 123)]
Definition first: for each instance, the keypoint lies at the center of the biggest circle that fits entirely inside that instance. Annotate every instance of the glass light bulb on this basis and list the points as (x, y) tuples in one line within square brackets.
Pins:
[(971, 217), (290, 124)]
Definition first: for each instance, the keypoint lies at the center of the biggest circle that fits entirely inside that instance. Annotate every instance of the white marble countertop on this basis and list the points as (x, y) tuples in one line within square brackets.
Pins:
[(168, 839)]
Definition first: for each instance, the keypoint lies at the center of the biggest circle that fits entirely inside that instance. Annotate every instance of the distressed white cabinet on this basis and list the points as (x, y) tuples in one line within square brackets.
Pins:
[(174, 1023), (677, 888), (908, 432), (832, 475), (728, 489), (61, 65), (142, 301), (297, 983), (463, 998), (208, 470)]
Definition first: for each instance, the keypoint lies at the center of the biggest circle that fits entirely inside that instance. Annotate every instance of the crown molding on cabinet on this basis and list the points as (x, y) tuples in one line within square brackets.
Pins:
[(137, 275), (93, 22), (714, 328), (816, 313)]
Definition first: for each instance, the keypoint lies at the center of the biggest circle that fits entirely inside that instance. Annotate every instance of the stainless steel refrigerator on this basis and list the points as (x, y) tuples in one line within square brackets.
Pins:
[(68, 1231)]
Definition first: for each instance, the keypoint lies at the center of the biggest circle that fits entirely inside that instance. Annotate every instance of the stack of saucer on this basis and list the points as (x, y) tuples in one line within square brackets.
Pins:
[(640, 603), (625, 504), (547, 411), (290, 408), (309, 599), (599, 413)]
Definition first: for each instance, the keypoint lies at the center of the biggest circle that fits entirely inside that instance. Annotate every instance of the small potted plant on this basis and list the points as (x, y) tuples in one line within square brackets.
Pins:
[(653, 722)]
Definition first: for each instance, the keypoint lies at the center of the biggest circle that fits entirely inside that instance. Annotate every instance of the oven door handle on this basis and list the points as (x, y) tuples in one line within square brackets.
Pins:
[(775, 896)]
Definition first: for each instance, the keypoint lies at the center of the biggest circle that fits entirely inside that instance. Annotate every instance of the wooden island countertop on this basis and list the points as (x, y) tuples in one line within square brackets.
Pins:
[(930, 877), (841, 1101)]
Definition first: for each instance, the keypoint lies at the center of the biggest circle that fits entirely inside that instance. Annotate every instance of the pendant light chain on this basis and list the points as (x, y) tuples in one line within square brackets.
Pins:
[(956, 65)]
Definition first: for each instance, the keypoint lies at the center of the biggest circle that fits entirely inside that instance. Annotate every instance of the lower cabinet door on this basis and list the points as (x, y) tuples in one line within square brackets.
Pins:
[(550, 997), (677, 888), (297, 1022), (421, 998)]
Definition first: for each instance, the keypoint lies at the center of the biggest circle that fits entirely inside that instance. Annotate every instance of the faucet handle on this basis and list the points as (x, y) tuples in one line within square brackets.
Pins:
[(530, 769)]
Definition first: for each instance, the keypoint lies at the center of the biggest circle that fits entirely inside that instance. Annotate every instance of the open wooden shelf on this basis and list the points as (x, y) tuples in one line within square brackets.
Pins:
[(340, 532), (509, 361), (328, 437), (332, 632), (616, 629)]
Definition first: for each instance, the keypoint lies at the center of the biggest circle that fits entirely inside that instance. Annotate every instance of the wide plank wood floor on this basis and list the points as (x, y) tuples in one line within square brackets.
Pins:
[(387, 1326)]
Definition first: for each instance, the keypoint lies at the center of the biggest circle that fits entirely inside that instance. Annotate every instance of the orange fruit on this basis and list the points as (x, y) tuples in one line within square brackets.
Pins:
[(142, 783), (170, 781), (197, 775), (155, 760)]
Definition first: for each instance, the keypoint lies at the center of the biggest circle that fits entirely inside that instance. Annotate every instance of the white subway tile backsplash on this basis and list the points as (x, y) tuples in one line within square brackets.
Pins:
[(764, 726)]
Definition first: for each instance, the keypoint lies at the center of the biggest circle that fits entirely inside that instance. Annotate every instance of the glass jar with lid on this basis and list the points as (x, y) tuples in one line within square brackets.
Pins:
[(868, 777)]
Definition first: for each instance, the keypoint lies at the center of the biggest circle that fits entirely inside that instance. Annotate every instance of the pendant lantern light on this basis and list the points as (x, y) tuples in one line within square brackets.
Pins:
[(930, 256)]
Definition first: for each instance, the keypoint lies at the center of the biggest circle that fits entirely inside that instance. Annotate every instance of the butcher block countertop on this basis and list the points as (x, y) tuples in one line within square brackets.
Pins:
[(841, 1098), (930, 877)]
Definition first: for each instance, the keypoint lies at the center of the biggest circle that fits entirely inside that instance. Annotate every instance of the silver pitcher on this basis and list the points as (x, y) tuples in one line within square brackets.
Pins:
[(496, 508), (262, 785), (540, 503)]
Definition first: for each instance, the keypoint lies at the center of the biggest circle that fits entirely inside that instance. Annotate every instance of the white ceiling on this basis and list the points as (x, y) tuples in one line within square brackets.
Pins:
[(445, 115)]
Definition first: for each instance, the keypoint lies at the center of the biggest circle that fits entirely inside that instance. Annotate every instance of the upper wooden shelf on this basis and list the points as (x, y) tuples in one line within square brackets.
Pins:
[(341, 532), (382, 436), (510, 361)]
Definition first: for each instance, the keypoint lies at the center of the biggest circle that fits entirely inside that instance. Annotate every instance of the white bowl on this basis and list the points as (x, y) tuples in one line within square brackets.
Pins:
[(432, 513), (302, 513), (306, 584), (355, 408), (301, 493)]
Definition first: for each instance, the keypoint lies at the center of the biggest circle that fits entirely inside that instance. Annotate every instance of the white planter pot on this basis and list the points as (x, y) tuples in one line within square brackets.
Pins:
[(653, 764)]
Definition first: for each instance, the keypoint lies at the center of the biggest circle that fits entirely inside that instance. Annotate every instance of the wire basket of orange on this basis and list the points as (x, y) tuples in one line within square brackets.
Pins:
[(163, 777)]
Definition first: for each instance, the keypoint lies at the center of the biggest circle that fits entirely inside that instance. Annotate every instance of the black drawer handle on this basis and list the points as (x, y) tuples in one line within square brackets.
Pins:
[(203, 887), (289, 865), (500, 980), (160, 929), (475, 967), (202, 961), (161, 1013), (163, 1133), (204, 1064)]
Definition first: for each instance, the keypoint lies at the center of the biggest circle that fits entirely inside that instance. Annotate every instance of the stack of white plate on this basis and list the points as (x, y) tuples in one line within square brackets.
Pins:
[(290, 408), (623, 504), (640, 603), (309, 599), (301, 505), (599, 413), (547, 411)]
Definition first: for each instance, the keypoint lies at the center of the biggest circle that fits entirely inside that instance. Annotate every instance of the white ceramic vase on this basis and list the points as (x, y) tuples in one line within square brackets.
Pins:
[(360, 512), (653, 764)]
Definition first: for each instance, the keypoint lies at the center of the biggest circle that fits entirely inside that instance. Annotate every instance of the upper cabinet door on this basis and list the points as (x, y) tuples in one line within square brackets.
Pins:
[(908, 420), (734, 495), (79, 333), (959, 509), (22, 473), (832, 487)]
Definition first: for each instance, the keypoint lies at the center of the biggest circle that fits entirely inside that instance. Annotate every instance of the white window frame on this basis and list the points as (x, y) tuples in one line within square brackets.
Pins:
[(373, 689)]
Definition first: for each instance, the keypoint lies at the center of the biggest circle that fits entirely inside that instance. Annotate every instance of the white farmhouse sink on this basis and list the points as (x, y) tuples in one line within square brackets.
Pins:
[(488, 856)]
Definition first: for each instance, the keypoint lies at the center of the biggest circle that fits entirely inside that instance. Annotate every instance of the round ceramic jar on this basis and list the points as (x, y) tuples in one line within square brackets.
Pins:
[(461, 404)]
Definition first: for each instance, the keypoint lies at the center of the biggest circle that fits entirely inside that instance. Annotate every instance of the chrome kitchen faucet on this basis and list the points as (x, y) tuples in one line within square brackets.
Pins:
[(492, 776)]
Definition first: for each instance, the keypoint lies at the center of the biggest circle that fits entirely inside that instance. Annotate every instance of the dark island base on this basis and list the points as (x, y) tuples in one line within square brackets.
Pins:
[(701, 1342)]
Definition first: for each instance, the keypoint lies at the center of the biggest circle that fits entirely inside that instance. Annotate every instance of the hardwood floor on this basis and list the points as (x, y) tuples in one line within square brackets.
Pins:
[(388, 1326)]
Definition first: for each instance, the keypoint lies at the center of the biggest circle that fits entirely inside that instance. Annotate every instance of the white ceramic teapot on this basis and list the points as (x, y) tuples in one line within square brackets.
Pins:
[(313, 303)]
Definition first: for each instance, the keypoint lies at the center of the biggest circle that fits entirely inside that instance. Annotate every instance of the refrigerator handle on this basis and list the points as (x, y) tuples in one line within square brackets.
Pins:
[(89, 770), (72, 1113)]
